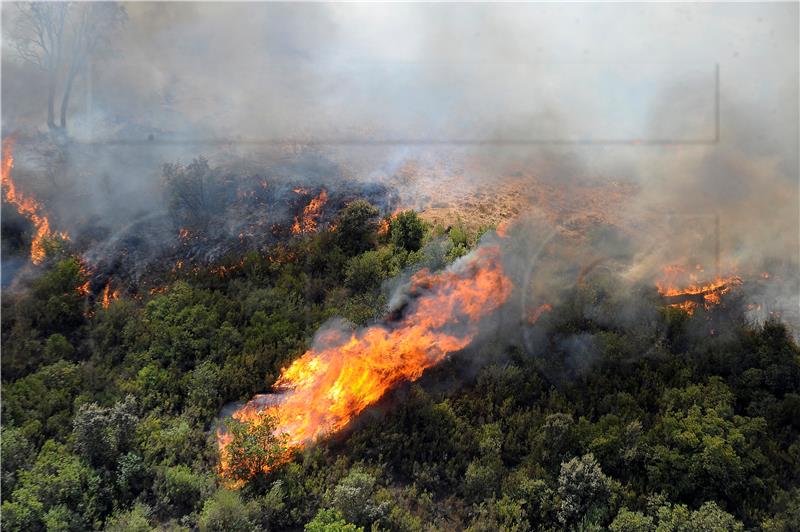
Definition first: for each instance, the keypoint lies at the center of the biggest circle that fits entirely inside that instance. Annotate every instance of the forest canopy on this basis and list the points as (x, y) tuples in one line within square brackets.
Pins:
[(110, 414)]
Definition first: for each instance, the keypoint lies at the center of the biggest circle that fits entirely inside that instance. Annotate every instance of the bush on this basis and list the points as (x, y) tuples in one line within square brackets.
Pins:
[(353, 498), (226, 512), (583, 489), (136, 519), (330, 521), (182, 488), (356, 227), (365, 272), (407, 231)]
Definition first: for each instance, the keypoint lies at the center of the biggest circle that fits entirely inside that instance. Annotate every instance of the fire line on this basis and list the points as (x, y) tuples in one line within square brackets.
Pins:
[(323, 390)]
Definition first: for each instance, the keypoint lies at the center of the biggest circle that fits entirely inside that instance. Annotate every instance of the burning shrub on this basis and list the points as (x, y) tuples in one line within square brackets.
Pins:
[(252, 447)]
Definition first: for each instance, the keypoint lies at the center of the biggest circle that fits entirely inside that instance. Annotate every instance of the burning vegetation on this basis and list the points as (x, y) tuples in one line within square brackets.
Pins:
[(696, 293), (27, 206), (321, 392), (307, 221), (221, 295)]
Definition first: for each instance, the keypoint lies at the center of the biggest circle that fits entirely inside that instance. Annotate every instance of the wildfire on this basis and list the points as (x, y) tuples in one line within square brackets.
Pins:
[(83, 290), (385, 224), (383, 227), (27, 206), (535, 314), (307, 223), (330, 384), (696, 293), (502, 229), (108, 295)]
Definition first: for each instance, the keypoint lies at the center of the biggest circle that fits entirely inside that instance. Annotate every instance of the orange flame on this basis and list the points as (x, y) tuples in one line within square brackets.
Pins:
[(330, 384), (311, 213), (503, 228), (27, 206), (707, 293), (109, 295), (383, 227), (535, 314)]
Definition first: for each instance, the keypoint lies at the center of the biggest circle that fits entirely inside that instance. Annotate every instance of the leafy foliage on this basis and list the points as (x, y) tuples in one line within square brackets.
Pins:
[(110, 415)]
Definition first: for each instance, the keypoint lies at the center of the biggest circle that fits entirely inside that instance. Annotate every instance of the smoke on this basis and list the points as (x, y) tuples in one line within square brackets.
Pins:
[(693, 106)]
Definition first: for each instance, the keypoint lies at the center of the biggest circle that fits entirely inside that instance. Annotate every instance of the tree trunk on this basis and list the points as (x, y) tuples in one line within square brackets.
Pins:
[(65, 99), (51, 97)]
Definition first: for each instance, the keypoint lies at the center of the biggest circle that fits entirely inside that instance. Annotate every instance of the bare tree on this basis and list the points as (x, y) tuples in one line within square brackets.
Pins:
[(59, 38)]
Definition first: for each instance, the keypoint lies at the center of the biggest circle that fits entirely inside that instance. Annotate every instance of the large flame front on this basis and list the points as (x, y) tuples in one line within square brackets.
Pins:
[(26, 205), (330, 384)]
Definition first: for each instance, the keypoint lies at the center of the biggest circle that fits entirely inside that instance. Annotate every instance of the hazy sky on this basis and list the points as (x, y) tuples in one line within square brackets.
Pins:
[(439, 72)]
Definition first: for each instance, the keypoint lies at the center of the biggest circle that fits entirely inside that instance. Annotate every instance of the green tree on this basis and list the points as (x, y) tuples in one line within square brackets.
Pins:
[(137, 519), (365, 272), (254, 447), (44, 399), (628, 521), (58, 490), (205, 386), (664, 516), (353, 498), (407, 231), (56, 304), (18, 454), (227, 512), (182, 488), (701, 450), (56, 348), (101, 435), (330, 521), (583, 490), (356, 226)]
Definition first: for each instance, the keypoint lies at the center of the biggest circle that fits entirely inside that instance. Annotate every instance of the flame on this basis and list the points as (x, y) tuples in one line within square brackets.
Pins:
[(307, 223), (707, 293), (83, 290), (535, 314), (27, 206), (109, 295), (86, 272), (502, 229), (383, 227), (330, 384)]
